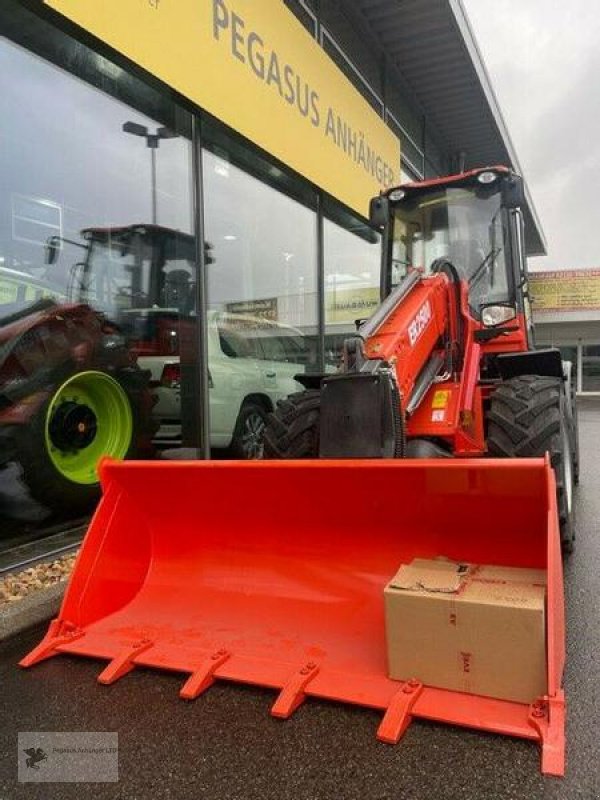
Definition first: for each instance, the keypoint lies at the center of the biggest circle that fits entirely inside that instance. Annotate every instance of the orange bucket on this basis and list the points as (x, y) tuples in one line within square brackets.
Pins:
[(272, 573)]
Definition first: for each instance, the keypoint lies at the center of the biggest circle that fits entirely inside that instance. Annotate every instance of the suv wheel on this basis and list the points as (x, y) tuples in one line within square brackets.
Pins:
[(247, 442)]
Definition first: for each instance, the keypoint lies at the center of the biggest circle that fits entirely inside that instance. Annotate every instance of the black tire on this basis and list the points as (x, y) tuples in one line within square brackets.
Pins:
[(528, 418), (293, 428), (55, 491), (247, 441)]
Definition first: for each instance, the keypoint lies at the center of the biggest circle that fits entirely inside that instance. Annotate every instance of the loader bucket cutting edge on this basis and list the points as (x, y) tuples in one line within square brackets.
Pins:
[(272, 573)]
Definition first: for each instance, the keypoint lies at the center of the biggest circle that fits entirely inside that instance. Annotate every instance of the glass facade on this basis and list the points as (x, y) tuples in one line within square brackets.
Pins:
[(161, 280), (584, 356), (262, 300), (590, 368), (352, 268), (98, 271)]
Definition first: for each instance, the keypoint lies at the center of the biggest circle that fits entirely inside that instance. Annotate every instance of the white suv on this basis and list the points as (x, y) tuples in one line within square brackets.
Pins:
[(252, 363)]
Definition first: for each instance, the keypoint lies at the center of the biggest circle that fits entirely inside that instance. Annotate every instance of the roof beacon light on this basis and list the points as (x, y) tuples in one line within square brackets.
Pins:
[(396, 195), (487, 177)]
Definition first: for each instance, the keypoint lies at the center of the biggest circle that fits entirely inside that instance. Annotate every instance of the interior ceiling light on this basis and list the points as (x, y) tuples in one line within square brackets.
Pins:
[(222, 169)]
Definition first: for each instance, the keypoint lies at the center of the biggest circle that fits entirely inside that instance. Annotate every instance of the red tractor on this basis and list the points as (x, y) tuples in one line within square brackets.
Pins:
[(71, 390), (446, 366)]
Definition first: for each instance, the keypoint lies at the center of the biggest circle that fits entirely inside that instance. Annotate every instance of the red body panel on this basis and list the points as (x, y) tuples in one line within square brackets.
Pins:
[(409, 337)]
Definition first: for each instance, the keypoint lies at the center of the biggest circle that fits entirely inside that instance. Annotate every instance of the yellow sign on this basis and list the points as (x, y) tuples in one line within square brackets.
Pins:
[(252, 65), (16, 287), (440, 399), (566, 290), (348, 305)]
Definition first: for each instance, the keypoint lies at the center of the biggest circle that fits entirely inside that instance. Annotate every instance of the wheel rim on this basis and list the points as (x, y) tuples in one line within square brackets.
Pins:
[(88, 417), (252, 435)]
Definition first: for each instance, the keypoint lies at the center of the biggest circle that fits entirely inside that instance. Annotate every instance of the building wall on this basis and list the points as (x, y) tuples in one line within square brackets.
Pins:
[(566, 311)]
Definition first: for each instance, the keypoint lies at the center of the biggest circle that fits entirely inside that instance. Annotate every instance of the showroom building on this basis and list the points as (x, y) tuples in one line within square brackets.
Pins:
[(202, 170), (566, 312)]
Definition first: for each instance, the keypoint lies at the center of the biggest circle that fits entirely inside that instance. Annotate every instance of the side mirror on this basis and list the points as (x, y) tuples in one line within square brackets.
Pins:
[(379, 212), (52, 249), (513, 192), (493, 314)]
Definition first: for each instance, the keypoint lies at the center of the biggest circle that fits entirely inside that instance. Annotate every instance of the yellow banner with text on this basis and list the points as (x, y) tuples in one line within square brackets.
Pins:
[(252, 65), (348, 304), (565, 290)]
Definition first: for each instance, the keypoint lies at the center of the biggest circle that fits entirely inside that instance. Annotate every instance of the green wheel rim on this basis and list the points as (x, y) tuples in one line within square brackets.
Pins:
[(89, 416)]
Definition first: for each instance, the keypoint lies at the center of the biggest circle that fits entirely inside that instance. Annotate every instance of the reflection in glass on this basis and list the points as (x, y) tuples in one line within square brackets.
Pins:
[(352, 267), (262, 295), (93, 296)]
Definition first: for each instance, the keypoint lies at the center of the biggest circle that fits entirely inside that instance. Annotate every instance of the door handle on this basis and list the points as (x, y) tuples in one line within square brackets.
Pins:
[(271, 374)]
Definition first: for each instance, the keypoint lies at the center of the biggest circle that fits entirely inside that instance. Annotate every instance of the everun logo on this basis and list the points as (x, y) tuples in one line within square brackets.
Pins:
[(419, 323)]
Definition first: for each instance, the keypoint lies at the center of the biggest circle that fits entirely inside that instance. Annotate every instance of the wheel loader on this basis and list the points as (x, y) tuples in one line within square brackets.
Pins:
[(442, 434), (446, 366)]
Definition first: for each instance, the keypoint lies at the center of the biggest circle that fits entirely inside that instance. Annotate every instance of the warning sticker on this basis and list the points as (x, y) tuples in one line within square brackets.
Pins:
[(440, 399), (438, 415)]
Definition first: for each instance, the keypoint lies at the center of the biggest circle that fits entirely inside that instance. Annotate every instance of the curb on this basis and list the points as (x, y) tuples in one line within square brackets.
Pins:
[(31, 610)]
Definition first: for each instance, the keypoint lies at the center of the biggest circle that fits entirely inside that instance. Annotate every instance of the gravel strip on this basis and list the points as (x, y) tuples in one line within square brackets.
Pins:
[(17, 586)]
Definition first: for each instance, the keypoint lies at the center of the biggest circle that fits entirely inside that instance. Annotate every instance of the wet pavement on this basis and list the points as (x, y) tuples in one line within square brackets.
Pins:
[(225, 745)]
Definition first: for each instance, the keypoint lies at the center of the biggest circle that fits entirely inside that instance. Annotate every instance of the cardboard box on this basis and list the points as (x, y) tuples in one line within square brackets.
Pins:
[(471, 628)]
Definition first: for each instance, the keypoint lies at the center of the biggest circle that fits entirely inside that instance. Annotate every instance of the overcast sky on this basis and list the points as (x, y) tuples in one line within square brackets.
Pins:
[(543, 57)]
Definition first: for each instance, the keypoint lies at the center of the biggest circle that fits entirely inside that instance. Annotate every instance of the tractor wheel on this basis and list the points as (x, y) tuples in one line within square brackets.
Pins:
[(293, 428), (247, 441), (528, 418), (90, 415)]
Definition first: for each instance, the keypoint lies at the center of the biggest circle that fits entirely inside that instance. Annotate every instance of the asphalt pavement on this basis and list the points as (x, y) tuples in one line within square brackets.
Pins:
[(225, 745)]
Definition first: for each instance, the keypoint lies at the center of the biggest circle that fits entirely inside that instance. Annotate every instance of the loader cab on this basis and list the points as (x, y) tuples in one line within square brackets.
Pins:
[(471, 220)]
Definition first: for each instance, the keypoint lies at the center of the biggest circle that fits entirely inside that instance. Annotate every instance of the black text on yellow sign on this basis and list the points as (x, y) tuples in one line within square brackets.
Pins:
[(251, 64), (275, 70)]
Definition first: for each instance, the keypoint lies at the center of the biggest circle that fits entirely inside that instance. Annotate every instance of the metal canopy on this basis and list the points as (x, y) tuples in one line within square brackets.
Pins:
[(433, 47)]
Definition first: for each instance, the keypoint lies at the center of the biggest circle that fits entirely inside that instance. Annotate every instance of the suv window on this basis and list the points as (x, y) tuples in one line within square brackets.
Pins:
[(273, 349), (232, 343)]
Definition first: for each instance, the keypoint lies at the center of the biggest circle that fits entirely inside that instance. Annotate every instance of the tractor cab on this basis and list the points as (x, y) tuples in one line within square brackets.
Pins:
[(140, 277), (471, 221)]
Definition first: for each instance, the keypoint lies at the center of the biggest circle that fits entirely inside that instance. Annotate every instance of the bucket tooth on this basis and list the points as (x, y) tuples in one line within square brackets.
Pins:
[(204, 677), (124, 662), (293, 694), (398, 716), (547, 717), (59, 632)]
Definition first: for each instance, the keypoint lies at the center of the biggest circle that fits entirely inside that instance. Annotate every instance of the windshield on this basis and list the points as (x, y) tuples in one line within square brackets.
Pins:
[(115, 276), (465, 226)]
